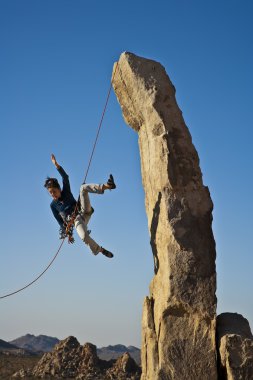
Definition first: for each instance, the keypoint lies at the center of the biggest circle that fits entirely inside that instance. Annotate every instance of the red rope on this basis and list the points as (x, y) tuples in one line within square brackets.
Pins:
[(72, 220)]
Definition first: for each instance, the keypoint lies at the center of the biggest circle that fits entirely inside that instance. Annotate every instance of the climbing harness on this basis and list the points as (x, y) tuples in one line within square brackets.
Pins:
[(70, 228), (70, 224)]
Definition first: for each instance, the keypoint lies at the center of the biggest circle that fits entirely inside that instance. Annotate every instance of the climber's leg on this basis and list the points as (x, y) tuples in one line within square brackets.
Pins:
[(81, 228), (85, 189), (95, 189)]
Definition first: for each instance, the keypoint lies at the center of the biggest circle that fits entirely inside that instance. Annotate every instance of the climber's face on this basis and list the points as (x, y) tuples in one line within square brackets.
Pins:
[(54, 192)]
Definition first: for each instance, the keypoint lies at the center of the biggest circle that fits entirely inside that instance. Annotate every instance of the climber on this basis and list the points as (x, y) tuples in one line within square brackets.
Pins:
[(64, 205)]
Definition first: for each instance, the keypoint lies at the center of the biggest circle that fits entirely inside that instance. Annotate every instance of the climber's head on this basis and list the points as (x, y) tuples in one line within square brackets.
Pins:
[(53, 187)]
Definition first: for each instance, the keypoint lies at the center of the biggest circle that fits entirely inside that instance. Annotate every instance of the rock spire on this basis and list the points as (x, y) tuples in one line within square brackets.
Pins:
[(179, 316)]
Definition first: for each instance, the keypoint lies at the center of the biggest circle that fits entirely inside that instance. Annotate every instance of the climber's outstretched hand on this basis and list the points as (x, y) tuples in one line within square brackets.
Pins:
[(53, 159)]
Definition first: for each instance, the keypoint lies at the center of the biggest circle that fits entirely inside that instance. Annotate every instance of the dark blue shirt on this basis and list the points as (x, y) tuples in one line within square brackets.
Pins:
[(65, 205)]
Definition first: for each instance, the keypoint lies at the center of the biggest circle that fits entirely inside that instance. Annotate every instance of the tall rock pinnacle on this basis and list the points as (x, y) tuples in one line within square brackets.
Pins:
[(178, 323)]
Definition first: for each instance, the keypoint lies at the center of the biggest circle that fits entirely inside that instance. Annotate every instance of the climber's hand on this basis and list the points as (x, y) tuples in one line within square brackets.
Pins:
[(53, 159)]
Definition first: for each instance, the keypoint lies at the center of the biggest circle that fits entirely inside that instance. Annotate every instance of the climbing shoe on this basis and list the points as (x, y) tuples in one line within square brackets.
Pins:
[(111, 182), (106, 253)]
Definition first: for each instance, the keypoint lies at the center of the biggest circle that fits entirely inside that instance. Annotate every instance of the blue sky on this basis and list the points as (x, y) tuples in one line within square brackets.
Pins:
[(55, 70)]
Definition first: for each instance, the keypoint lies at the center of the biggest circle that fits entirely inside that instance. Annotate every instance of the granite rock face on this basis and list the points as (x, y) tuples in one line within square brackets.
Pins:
[(179, 316), (235, 344)]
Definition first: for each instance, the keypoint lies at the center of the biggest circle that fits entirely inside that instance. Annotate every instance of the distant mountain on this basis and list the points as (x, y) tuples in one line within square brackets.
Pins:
[(113, 352), (41, 343), (5, 346)]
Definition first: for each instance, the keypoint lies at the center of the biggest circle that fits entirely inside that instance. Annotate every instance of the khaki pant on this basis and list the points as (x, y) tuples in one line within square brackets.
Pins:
[(84, 215)]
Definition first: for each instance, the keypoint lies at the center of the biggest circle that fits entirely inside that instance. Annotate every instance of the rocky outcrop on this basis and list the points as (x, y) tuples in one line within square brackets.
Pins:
[(179, 316), (235, 345), (71, 360), (23, 374), (124, 367)]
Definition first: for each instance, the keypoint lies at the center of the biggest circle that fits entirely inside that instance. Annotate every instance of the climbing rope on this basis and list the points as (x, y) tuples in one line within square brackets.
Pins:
[(71, 222), (73, 217), (100, 124), (32, 282)]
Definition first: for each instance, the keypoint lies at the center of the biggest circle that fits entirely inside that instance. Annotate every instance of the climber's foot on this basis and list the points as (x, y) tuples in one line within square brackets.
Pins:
[(111, 182), (106, 253)]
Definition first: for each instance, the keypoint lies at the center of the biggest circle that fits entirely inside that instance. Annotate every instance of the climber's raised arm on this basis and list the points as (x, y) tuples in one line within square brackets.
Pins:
[(53, 159), (64, 175)]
